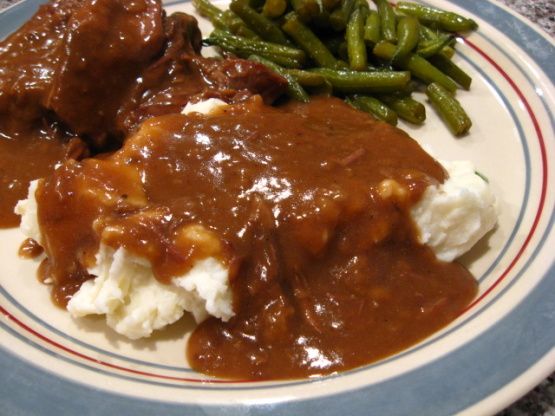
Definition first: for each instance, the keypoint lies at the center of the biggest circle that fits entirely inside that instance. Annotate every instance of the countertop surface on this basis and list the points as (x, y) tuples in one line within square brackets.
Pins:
[(541, 400)]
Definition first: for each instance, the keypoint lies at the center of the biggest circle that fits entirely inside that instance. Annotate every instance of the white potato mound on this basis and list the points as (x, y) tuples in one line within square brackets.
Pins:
[(453, 216), (126, 291), (135, 303), (27, 209), (210, 105)]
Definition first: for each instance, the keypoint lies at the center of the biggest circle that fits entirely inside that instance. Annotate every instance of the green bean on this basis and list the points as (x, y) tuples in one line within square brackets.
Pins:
[(274, 8), (235, 25), (340, 16), (341, 64), (406, 107), (225, 20), (308, 41), (326, 89), (260, 24), (449, 109), (432, 47), (373, 106), (429, 34), (294, 89), (208, 10), (447, 66), (356, 48), (330, 5), (408, 32), (306, 78), (436, 35), (243, 47), (417, 65), (372, 28), (306, 9), (445, 20), (448, 52), (388, 26), (353, 82), (322, 18)]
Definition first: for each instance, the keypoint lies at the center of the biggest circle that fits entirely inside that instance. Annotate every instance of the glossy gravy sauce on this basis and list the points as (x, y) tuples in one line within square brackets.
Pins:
[(306, 204), (20, 162)]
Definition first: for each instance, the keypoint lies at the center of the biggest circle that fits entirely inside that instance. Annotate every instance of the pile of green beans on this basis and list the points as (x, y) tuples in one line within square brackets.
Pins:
[(371, 55)]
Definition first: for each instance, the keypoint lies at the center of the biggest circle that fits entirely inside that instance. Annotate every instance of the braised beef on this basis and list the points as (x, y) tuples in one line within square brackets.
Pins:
[(182, 75)]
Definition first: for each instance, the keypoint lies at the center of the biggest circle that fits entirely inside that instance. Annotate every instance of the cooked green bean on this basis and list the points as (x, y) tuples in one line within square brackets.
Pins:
[(306, 78), (447, 66), (406, 107), (308, 41), (429, 48), (322, 18), (260, 24), (326, 89), (437, 35), (222, 20), (330, 5), (294, 89), (449, 109), (408, 32), (373, 106), (208, 10), (428, 33), (417, 65), (372, 28), (274, 8), (351, 51), (356, 48), (243, 47), (448, 52), (365, 82), (236, 26), (306, 9), (388, 24), (445, 20), (340, 16)]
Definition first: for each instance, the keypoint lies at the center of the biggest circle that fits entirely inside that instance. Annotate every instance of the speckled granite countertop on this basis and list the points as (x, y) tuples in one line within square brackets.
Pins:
[(541, 400)]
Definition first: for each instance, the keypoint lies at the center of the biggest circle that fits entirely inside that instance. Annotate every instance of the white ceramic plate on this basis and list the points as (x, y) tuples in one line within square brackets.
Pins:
[(496, 351)]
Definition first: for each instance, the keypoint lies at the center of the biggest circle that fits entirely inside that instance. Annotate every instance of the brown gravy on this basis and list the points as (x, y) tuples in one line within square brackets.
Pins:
[(19, 164), (326, 272), (30, 249)]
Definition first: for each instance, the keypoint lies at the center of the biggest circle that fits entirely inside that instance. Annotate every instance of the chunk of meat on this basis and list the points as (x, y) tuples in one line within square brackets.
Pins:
[(107, 44), (181, 75), (77, 59), (29, 59)]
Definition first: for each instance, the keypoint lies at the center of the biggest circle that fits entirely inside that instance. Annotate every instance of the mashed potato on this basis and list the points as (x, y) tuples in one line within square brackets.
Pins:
[(453, 216), (126, 291), (450, 218)]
